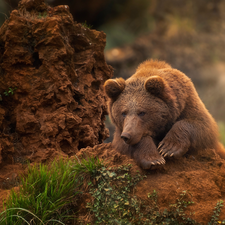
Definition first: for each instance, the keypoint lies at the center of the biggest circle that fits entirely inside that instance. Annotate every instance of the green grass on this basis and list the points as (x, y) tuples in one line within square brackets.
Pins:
[(46, 192)]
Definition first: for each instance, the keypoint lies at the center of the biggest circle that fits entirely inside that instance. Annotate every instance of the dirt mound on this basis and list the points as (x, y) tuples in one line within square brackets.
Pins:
[(52, 72), (51, 76), (201, 174)]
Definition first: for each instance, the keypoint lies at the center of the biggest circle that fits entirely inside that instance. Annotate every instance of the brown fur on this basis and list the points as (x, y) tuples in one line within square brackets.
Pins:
[(158, 113)]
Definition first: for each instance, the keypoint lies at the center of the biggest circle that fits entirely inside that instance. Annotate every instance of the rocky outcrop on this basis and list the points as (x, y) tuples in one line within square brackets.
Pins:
[(51, 75)]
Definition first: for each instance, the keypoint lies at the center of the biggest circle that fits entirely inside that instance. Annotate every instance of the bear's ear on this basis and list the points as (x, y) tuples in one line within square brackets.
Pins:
[(155, 85), (113, 87)]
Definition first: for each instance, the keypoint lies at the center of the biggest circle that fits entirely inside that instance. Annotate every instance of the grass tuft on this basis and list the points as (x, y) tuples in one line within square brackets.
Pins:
[(88, 166), (46, 192)]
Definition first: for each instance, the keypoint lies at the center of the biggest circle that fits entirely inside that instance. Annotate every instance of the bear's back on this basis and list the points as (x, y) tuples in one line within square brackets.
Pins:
[(153, 64), (151, 68), (173, 77)]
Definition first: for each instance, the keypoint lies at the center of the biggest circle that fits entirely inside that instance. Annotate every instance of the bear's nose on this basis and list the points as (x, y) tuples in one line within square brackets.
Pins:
[(126, 137)]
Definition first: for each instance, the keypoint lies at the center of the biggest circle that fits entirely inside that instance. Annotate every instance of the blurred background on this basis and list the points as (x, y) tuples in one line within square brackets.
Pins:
[(189, 35)]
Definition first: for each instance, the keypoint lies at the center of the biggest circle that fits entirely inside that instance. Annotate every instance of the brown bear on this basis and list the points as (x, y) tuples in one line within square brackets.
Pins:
[(158, 113)]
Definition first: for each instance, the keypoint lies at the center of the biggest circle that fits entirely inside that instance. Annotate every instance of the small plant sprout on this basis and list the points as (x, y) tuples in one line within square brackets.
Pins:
[(9, 92), (85, 25), (42, 15)]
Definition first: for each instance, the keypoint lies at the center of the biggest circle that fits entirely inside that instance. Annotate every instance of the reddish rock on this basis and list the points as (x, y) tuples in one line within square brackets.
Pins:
[(56, 69)]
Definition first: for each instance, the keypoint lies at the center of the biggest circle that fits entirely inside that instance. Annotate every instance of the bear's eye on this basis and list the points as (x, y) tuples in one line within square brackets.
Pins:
[(141, 113), (124, 114)]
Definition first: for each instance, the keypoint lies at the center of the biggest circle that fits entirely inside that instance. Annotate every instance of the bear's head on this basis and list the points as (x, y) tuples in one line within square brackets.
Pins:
[(139, 107)]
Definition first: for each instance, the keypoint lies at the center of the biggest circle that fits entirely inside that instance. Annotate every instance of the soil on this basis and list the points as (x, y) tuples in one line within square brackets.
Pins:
[(56, 70), (201, 174)]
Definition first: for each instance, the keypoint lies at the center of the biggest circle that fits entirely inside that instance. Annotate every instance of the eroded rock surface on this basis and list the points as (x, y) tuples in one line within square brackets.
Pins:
[(51, 75)]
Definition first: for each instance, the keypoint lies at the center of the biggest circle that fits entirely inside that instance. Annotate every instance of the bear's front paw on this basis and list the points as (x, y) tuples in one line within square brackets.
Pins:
[(170, 147), (151, 163), (146, 155)]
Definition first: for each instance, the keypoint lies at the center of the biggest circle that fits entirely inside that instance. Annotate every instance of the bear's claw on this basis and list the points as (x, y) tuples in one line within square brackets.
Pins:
[(146, 155), (152, 165), (161, 162), (160, 145), (167, 148)]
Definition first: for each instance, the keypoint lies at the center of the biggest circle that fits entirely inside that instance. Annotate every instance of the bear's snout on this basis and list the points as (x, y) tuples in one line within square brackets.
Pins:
[(126, 137), (132, 130)]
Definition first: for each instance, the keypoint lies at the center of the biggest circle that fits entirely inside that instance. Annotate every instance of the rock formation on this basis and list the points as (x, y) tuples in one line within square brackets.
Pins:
[(51, 75)]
